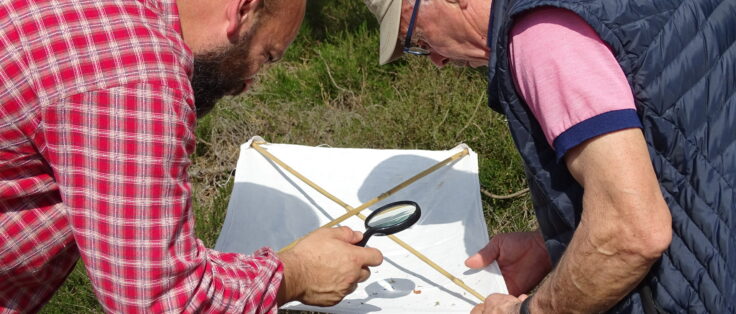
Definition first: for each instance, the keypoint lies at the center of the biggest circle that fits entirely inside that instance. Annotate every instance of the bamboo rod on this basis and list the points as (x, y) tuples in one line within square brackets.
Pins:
[(257, 146), (436, 267), (395, 189), (432, 264), (356, 211)]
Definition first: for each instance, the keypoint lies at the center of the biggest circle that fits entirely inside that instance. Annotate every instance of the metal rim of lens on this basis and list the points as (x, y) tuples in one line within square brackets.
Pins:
[(417, 51), (414, 217)]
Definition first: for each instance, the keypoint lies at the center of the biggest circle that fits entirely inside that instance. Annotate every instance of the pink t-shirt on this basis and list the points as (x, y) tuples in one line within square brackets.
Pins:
[(569, 78)]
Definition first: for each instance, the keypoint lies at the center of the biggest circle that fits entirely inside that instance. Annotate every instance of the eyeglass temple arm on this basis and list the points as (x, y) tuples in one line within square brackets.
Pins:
[(410, 30)]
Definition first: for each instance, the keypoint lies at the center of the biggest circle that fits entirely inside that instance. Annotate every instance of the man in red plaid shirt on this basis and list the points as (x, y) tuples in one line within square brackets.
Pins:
[(98, 105)]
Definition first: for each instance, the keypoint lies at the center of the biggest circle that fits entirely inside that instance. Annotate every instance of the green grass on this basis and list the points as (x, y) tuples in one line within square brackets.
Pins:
[(329, 89)]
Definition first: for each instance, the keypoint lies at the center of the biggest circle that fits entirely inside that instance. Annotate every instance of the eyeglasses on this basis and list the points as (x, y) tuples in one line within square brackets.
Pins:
[(408, 47)]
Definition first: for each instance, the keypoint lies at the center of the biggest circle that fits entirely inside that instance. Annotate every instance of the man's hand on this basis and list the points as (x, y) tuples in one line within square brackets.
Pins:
[(325, 266), (499, 304), (522, 257)]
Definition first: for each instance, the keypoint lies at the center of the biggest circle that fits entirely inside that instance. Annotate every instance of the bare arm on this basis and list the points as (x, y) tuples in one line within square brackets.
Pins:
[(625, 227)]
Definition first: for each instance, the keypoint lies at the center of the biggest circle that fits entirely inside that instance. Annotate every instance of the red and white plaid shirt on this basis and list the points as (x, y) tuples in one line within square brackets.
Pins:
[(96, 126)]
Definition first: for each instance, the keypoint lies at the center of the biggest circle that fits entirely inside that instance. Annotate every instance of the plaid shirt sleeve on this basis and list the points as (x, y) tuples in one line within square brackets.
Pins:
[(120, 158)]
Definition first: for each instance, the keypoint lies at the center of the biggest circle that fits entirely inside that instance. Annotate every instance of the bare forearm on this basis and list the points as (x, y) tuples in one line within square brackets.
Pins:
[(624, 228), (590, 277)]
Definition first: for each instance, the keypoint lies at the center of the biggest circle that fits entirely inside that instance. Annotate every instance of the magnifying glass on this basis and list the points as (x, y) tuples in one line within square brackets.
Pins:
[(390, 218)]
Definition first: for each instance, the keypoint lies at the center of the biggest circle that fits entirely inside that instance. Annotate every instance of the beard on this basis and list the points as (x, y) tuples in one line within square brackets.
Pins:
[(218, 73)]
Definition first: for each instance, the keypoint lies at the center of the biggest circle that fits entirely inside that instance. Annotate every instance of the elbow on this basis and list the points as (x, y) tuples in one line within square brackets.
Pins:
[(640, 231), (649, 235), (655, 243)]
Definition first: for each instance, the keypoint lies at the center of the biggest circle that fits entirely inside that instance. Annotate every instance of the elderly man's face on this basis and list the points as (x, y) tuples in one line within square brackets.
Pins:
[(231, 70), (447, 31)]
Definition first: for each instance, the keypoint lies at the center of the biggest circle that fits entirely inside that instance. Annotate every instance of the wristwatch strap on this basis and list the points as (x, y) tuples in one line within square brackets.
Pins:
[(525, 305)]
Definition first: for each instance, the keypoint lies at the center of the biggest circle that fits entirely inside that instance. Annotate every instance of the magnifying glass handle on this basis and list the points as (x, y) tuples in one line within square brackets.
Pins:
[(367, 235)]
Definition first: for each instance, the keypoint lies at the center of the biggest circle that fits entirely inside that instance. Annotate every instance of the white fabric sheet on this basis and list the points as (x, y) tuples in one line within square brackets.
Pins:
[(271, 207)]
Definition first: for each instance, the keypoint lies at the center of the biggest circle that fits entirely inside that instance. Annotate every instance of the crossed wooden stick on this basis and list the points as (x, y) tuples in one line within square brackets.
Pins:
[(356, 211)]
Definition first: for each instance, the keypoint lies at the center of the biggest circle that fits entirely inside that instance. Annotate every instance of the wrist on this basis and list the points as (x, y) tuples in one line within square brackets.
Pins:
[(289, 290)]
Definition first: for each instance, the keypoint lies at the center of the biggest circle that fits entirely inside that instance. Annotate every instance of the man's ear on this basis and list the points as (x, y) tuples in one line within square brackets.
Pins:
[(238, 13)]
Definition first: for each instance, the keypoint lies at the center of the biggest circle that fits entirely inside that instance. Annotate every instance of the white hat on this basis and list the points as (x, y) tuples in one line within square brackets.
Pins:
[(388, 13)]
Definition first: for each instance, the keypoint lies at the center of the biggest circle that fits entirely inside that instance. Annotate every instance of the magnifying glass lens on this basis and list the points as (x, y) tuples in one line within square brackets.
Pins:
[(392, 216), (390, 219)]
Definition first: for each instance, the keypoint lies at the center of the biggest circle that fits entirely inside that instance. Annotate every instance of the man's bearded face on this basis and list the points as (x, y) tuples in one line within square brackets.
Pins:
[(219, 73)]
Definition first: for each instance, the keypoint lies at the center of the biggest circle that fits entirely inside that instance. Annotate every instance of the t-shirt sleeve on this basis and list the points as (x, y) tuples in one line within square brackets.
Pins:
[(569, 78)]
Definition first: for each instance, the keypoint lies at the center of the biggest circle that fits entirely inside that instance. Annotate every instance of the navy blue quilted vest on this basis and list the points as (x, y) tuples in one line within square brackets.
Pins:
[(680, 61)]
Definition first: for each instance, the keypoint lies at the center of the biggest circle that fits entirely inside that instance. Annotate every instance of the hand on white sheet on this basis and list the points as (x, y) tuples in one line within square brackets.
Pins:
[(521, 256), (499, 304), (325, 266)]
